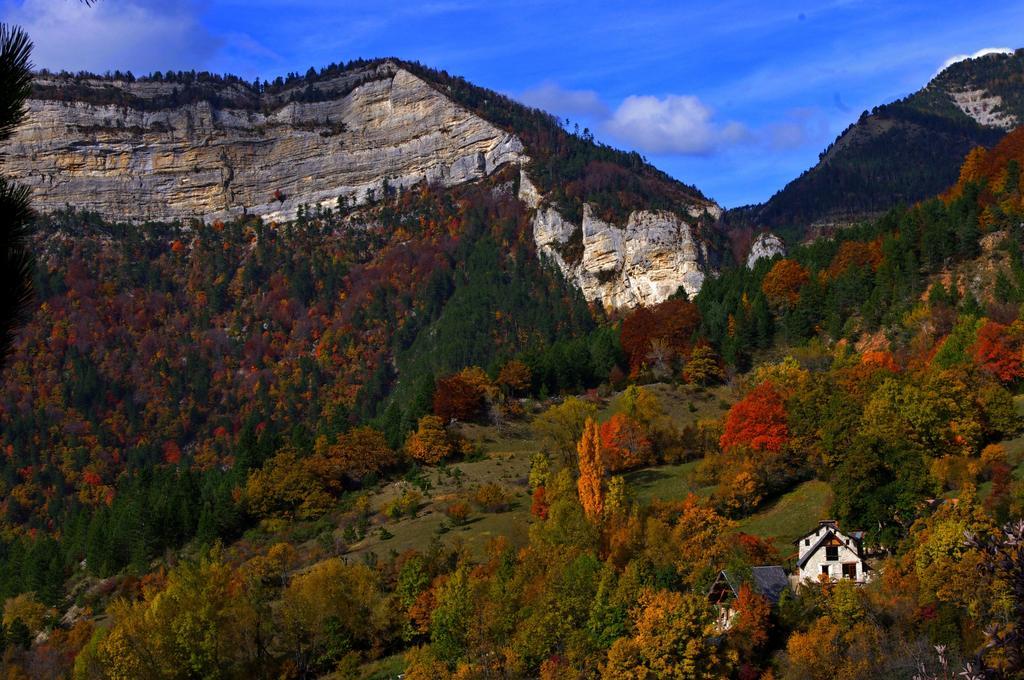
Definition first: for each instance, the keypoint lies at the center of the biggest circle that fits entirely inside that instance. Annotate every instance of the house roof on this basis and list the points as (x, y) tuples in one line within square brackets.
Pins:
[(768, 581), (814, 548), (833, 526)]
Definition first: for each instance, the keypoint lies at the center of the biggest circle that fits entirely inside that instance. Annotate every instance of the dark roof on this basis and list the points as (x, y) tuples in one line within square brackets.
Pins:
[(768, 582)]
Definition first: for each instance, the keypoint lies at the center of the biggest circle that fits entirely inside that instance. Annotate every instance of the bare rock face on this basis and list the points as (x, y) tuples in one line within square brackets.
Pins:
[(986, 109), (388, 129), (766, 245), (156, 154), (641, 262)]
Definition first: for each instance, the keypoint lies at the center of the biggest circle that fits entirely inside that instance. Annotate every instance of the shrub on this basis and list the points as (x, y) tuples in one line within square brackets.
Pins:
[(458, 512), (405, 505), (492, 497)]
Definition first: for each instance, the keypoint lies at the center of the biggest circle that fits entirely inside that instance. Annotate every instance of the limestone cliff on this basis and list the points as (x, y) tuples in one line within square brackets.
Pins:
[(139, 162), (766, 246), (640, 262), (157, 149)]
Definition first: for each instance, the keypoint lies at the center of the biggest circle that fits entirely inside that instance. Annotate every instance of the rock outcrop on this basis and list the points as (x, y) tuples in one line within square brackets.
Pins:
[(986, 109), (766, 245), (143, 161), (139, 150), (641, 262)]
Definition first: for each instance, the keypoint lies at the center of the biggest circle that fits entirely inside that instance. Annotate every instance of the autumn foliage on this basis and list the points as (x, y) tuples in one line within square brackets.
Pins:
[(591, 467), (430, 443), (857, 255), (782, 284), (455, 398), (998, 351), (625, 444), (758, 421), (671, 324)]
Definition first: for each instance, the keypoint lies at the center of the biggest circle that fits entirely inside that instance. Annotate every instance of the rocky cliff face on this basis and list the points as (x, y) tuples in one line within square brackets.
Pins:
[(641, 262), (144, 150), (267, 157), (766, 245)]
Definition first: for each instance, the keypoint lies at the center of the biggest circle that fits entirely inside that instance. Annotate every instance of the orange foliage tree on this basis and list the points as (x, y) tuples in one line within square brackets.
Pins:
[(625, 444), (782, 284), (591, 472), (430, 442), (757, 421), (856, 254), (753, 620), (357, 453), (998, 352), (515, 377)]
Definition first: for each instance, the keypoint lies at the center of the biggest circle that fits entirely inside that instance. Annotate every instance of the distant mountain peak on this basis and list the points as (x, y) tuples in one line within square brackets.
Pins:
[(901, 152)]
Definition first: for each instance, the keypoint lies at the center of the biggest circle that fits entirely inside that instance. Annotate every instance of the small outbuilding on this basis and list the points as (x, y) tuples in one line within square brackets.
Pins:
[(768, 581)]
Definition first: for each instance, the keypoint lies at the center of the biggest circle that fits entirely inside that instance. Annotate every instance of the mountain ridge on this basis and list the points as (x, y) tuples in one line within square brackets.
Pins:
[(186, 145), (898, 153)]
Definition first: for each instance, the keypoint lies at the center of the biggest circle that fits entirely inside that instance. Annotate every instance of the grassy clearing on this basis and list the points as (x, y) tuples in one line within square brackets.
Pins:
[(685, 405), (388, 668), (664, 482), (506, 460), (510, 469), (791, 515)]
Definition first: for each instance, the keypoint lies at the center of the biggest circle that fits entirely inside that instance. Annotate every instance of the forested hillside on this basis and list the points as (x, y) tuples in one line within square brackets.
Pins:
[(896, 154), (165, 362)]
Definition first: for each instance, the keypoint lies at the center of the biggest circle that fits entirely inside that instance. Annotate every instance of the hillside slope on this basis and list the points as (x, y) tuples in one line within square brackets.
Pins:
[(901, 152)]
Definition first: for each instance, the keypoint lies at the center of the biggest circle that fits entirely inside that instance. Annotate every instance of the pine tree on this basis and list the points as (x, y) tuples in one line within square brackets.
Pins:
[(16, 262)]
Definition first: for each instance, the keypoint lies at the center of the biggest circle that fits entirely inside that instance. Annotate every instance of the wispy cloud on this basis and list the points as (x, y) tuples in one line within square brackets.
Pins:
[(556, 99), (677, 124), (137, 35)]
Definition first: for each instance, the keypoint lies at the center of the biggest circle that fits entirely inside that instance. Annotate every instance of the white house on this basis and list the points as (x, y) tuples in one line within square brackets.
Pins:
[(827, 551)]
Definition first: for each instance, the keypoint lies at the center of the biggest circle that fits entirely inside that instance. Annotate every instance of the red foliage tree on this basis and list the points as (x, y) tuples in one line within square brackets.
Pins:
[(997, 352), (458, 399), (624, 443), (757, 421), (539, 503), (172, 453), (673, 322)]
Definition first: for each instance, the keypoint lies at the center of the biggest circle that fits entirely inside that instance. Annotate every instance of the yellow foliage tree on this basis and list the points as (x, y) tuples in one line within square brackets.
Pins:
[(675, 638), (430, 442), (26, 608)]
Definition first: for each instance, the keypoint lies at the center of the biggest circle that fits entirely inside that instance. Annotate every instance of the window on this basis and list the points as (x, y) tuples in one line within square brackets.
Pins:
[(850, 570), (824, 569), (832, 553), (807, 541)]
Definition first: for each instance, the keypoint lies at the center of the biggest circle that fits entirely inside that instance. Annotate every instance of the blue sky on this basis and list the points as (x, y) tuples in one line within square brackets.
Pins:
[(735, 97)]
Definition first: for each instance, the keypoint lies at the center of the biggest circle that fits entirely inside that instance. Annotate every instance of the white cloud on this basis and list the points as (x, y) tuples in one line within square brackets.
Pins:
[(554, 98), (980, 53), (675, 124), (136, 35)]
